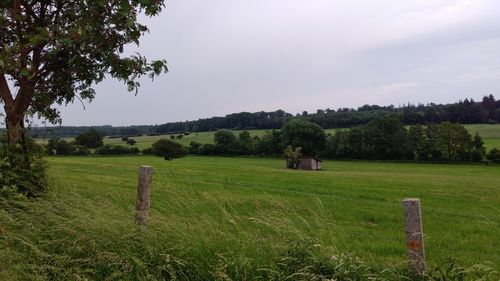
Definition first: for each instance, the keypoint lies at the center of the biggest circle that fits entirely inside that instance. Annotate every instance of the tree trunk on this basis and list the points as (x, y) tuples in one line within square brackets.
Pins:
[(18, 150)]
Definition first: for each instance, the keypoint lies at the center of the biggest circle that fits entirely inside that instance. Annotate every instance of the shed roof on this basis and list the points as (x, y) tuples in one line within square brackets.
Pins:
[(312, 157)]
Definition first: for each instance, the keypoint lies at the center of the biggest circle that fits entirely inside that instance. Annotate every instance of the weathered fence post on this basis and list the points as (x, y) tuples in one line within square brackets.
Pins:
[(143, 202), (414, 235)]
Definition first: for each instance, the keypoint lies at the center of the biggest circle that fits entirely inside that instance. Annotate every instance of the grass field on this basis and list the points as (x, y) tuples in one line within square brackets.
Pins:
[(241, 214)]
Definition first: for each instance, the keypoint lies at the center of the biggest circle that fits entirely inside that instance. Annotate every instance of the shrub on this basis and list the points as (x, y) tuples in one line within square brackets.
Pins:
[(168, 149), (194, 147), (57, 146), (91, 139), (207, 149), (131, 142), (148, 151), (172, 137), (80, 150), (180, 136), (494, 155), (125, 138), (109, 149), (31, 179)]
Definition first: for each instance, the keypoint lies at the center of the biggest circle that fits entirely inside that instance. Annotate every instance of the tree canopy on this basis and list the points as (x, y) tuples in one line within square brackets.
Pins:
[(56, 51)]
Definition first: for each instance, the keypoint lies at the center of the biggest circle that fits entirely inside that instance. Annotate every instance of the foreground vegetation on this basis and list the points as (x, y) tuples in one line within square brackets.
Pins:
[(247, 219)]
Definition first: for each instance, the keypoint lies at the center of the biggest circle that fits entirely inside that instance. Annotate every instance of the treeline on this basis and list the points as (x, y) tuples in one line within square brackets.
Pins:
[(466, 111), (384, 138)]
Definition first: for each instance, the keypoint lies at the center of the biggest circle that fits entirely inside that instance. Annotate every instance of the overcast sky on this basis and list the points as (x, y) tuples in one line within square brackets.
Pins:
[(229, 56)]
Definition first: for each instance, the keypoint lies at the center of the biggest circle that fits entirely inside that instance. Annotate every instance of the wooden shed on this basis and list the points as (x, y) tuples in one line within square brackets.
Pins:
[(310, 163)]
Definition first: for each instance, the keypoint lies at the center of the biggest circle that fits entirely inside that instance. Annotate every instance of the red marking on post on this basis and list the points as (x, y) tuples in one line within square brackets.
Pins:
[(414, 245)]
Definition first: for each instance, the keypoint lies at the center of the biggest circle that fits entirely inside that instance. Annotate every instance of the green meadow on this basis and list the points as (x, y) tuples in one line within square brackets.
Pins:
[(243, 217)]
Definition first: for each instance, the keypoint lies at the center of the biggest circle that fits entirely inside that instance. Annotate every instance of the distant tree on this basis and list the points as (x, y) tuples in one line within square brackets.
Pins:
[(58, 146), (168, 149), (172, 137), (489, 104), (387, 138), (194, 147), (456, 140), (207, 149), (246, 143), (110, 149), (80, 150), (270, 144), (91, 139), (478, 150), (336, 145), (301, 133), (124, 138), (131, 142), (417, 138), (494, 155), (180, 136), (226, 142)]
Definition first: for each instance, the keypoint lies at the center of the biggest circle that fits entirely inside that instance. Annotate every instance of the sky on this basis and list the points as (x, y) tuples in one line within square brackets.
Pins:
[(230, 56)]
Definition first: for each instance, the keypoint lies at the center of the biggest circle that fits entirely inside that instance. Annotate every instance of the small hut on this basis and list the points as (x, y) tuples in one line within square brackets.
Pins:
[(310, 163)]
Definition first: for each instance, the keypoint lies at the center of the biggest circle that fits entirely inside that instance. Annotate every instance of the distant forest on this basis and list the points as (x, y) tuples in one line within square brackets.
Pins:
[(466, 111)]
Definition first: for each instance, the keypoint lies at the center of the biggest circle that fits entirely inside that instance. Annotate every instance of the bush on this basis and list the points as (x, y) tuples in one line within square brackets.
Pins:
[(168, 149), (57, 146), (207, 149), (494, 155), (194, 147), (109, 149), (91, 139), (30, 180), (80, 150), (148, 151), (131, 142)]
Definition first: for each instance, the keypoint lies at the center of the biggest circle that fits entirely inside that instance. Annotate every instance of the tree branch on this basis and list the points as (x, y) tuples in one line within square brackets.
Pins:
[(5, 93)]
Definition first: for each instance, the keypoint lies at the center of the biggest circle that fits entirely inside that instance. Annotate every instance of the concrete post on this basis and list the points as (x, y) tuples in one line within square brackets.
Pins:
[(143, 201), (414, 235)]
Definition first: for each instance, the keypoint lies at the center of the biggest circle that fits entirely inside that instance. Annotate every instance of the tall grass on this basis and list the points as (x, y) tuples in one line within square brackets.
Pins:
[(206, 224), (91, 239)]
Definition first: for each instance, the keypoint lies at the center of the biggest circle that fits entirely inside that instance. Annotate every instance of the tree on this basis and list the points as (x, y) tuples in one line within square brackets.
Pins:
[(57, 146), (91, 139), (226, 142), (292, 156), (387, 138), (131, 142), (269, 144), (54, 52), (301, 133), (194, 147), (168, 149), (417, 140), (246, 143)]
